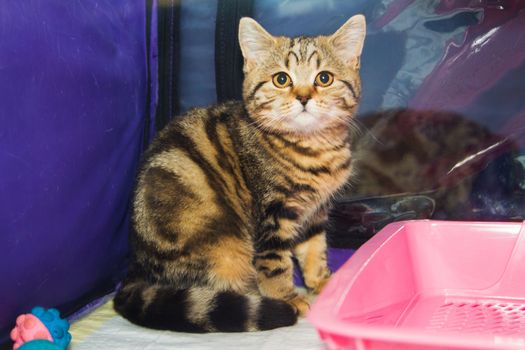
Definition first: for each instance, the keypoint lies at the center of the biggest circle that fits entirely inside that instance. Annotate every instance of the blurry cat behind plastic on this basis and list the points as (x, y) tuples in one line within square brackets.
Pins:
[(227, 194)]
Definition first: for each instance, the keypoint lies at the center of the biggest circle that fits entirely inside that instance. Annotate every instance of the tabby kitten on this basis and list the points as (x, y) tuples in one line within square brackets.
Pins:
[(227, 194)]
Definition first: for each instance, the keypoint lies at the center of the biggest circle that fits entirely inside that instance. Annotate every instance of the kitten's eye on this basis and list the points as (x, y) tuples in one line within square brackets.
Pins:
[(324, 79), (282, 80)]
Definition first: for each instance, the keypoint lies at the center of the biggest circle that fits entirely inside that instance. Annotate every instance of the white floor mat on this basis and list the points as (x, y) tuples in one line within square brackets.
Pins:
[(104, 329)]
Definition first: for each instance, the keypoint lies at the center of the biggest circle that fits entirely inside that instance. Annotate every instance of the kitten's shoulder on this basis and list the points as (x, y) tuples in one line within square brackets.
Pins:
[(222, 111), (198, 114), (229, 109), (194, 119)]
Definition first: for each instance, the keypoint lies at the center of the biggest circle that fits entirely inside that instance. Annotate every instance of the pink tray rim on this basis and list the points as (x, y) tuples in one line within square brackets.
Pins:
[(326, 322)]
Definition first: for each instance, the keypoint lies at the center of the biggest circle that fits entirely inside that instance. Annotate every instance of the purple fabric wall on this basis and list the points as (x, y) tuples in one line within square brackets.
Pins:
[(72, 103)]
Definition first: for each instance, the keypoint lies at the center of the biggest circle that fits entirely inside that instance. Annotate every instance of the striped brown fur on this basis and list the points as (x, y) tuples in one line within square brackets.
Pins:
[(226, 195)]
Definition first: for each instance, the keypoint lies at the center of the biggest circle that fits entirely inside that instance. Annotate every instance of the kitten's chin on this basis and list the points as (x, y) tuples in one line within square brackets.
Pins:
[(305, 123)]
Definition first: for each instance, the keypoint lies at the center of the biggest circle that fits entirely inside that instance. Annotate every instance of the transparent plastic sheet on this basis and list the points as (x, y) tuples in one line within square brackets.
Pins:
[(443, 105), (451, 122)]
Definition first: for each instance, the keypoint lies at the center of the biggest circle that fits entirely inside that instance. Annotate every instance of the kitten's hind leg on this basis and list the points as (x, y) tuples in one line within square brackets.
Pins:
[(231, 268)]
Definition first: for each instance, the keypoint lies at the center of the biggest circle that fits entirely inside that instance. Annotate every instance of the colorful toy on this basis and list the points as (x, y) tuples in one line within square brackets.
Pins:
[(41, 329)]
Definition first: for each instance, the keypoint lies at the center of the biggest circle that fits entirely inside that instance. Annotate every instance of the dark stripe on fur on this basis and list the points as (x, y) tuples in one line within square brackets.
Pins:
[(261, 268), (270, 273), (312, 170), (308, 151), (344, 144), (263, 105), (272, 242), (230, 313), (283, 190), (296, 187), (293, 187), (153, 250), (165, 195), (345, 165), (293, 145), (274, 273), (254, 91), (211, 131), (313, 230), (351, 88), (288, 59), (270, 256), (282, 314), (312, 55), (186, 144), (278, 210), (224, 160), (167, 310), (230, 217)]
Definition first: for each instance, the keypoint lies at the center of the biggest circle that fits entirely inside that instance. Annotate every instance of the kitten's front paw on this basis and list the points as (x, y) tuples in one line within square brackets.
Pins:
[(316, 283), (300, 304)]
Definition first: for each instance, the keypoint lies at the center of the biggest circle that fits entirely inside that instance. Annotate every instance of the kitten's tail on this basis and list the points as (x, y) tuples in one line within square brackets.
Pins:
[(200, 309)]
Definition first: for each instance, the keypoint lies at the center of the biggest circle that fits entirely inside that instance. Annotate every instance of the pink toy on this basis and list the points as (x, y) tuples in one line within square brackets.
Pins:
[(29, 327), (429, 285), (41, 329)]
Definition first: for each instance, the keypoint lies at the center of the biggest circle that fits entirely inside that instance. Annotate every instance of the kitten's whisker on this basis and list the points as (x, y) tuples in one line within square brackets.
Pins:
[(361, 128)]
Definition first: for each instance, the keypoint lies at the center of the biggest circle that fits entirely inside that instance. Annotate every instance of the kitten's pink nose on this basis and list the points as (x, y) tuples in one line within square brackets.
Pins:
[(303, 99)]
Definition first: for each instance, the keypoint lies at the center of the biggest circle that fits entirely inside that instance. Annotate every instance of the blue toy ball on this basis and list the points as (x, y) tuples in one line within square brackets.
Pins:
[(58, 327)]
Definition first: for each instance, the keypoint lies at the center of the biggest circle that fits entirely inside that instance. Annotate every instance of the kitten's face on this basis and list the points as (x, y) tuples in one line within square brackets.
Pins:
[(302, 85)]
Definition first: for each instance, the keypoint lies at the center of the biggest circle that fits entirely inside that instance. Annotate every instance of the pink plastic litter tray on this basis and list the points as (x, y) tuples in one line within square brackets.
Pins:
[(429, 285)]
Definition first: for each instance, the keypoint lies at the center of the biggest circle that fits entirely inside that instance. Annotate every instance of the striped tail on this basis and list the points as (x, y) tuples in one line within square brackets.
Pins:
[(199, 310)]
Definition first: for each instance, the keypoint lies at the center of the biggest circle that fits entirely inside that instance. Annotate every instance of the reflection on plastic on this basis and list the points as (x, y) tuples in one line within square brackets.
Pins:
[(443, 107)]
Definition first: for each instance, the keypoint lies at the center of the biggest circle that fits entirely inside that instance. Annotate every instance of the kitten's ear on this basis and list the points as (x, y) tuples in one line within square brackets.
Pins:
[(255, 42), (348, 40)]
